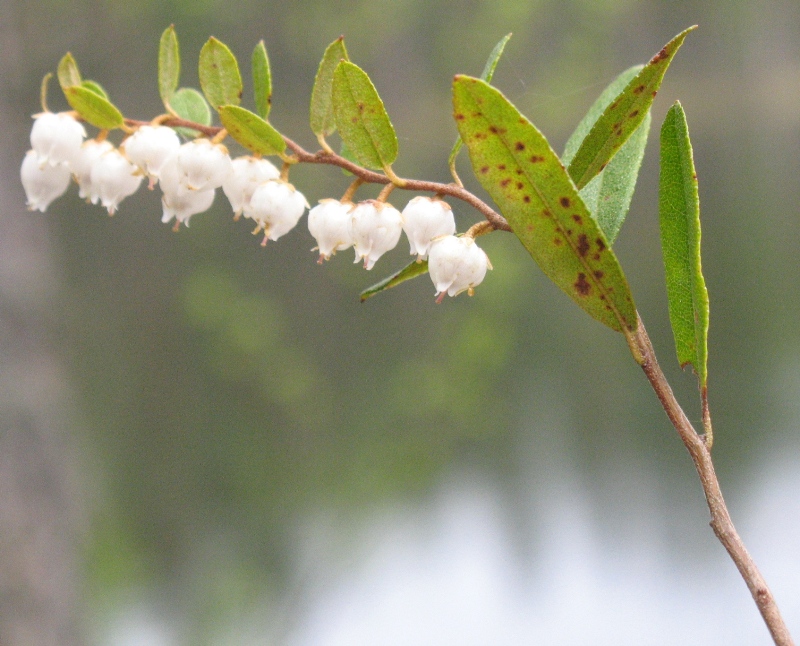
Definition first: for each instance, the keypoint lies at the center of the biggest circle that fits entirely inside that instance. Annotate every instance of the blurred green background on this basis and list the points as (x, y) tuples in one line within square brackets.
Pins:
[(214, 443)]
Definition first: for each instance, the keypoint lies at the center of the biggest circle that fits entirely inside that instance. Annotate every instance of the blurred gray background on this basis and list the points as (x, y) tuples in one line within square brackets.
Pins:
[(207, 442)]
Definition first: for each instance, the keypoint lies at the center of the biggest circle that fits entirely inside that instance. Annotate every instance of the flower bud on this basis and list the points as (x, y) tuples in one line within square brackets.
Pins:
[(425, 219), (81, 166), (376, 228), (178, 201), (203, 164), (330, 224), (113, 178), (277, 207), (247, 173), (42, 183), (56, 138), (149, 147), (456, 264)]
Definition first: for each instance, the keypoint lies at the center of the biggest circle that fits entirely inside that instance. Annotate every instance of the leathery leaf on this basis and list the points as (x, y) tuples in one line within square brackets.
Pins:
[(516, 165)]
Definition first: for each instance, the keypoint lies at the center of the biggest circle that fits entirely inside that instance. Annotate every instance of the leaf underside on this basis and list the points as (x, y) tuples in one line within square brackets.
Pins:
[(515, 164), (679, 214), (169, 64), (251, 131), (68, 73), (189, 104), (361, 117), (408, 272), (622, 116), (322, 119)]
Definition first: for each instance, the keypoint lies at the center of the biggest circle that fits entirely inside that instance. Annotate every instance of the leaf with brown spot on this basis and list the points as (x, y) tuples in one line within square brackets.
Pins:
[(220, 79), (250, 130), (361, 117), (569, 252), (616, 124)]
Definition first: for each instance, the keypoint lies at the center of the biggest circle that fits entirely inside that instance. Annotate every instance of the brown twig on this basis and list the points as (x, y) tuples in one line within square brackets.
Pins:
[(721, 521)]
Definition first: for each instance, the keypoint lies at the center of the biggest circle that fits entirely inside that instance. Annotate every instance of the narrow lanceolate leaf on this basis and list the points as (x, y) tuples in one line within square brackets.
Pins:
[(406, 273), (93, 108), (488, 73), (515, 164), (679, 212), (321, 112), (189, 104), (169, 64), (623, 116), (262, 80), (68, 73), (361, 118), (251, 131), (95, 87), (609, 194), (220, 79)]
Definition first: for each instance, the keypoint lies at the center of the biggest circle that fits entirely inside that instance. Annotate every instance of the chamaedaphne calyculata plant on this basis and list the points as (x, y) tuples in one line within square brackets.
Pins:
[(565, 210)]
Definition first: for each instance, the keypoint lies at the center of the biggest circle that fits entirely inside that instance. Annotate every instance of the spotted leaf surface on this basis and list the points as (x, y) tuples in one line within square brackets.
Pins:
[(622, 116), (361, 118), (412, 270), (518, 168), (251, 131), (220, 79), (679, 214), (608, 196), (262, 80)]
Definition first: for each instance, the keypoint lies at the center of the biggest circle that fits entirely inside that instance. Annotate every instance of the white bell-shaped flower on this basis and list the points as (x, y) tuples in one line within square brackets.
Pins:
[(277, 207), (376, 228), (113, 178), (149, 147), (456, 264), (56, 137), (177, 200), (203, 165), (425, 219), (42, 183), (247, 173), (330, 222), (81, 166)]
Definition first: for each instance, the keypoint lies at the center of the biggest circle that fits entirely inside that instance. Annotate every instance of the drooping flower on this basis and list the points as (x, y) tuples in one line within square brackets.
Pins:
[(330, 222), (247, 173), (113, 178), (56, 137), (81, 166), (149, 147), (456, 264), (178, 201), (425, 219), (42, 183), (376, 228), (277, 207), (202, 164)]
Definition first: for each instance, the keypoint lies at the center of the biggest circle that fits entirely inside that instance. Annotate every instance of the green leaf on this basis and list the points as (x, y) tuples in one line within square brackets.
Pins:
[(262, 80), (219, 74), (623, 116), (95, 87), (189, 104), (344, 151), (68, 73), (609, 194), (488, 73), (93, 108), (679, 212), (361, 118), (515, 164), (406, 273), (321, 112), (169, 65), (251, 131)]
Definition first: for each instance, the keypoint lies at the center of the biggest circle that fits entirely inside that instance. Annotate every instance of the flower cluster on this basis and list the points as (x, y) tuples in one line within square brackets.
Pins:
[(188, 175)]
